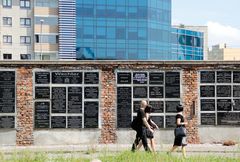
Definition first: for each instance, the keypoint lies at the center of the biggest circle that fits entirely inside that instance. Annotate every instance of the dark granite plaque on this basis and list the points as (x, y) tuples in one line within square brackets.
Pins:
[(58, 99), (7, 92), (140, 78), (207, 104), (224, 76), (140, 92), (136, 106), (42, 92), (74, 99), (172, 85), (58, 121), (156, 92), (91, 77), (74, 121), (158, 106), (207, 91), (124, 106), (170, 121), (228, 118), (91, 114), (159, 120), (207, 76), (236, 105), (67, 77), (42, 77), (7, 122), (236, 76), (224, 105), (208, 119), (171, 106), (42, 115), (224, 91), (124, 78), (236, 91), (156, 78), (91, 92)]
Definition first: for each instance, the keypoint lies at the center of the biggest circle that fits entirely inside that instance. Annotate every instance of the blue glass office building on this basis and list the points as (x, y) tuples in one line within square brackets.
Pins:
[(187, 44), (123, 29)]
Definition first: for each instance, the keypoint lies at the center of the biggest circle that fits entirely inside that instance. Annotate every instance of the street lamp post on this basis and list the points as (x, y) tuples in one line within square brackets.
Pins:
[(41, 21)]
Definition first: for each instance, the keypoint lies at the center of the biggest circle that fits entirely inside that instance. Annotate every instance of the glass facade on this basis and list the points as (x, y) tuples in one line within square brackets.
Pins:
[(187, 44), (123, 29)]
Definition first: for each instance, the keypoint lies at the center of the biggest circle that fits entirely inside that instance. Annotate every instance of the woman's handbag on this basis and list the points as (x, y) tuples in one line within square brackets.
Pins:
[(180, 132)]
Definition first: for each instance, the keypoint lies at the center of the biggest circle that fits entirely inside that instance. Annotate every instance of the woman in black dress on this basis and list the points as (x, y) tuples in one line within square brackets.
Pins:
[(180, 141)]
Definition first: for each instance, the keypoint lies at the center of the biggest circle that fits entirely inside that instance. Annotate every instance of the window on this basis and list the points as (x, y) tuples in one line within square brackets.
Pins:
[(25, 21), (25, 56), (7, 39), (25, 39), (7, 21), (7, 56), (51, 39), (24, 3), (7, 3)]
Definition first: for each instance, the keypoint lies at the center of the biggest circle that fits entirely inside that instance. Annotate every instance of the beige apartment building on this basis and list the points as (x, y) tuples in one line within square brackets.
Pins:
[(28, 29), (222, 52)]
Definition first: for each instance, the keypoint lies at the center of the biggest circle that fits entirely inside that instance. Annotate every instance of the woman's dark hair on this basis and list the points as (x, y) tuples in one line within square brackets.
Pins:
[(179, 108), (148, 109)]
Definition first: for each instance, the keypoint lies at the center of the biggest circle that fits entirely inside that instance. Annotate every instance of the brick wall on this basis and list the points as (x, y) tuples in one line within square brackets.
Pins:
[(25, 114)]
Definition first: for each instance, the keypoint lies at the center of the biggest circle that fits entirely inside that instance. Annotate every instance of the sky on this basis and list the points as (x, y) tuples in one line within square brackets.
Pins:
[(221, 16)]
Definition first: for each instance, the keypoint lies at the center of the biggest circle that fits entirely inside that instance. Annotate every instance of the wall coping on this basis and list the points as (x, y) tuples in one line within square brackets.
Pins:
[(120, 62)]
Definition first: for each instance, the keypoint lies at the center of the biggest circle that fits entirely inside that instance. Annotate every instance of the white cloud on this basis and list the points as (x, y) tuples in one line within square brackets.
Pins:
[(219, 33)]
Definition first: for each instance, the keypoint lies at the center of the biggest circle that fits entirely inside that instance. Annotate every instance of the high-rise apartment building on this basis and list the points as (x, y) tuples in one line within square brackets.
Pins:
[(223, 52)]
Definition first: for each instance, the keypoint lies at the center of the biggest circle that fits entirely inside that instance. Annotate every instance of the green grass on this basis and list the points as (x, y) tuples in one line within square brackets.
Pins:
[(126, 156)]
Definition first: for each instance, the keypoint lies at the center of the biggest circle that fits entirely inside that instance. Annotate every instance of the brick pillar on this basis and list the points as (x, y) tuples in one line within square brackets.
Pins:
[(190, 91), (108, 107), (24, 107)]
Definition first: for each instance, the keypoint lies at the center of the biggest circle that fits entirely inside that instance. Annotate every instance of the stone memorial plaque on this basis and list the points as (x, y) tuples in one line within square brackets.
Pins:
[(236, 105), (136, 106), (228, 118), (207, 91), (171, 106), (91, 114), (7, 122), (224, 91), (58, 121), (124, 78), (140, 92), (124, 106), (42, 115), (42, 92), (74, 99), (172, 85), (158, 106), (7, 92), (236, 91), (208, 119), (159, 120), (67, 77), (42, 77), (236, 76), (91, 92), (74, 121), (207, 76), (91, 78), (207, 104), (156, 92), (140, 78), (224, 76), (156, 78), (170, 121), (224, 105), (58, 99)]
